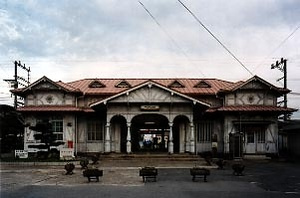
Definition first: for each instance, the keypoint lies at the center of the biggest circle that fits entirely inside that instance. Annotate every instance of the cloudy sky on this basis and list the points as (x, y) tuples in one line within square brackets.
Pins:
[(74, 39)]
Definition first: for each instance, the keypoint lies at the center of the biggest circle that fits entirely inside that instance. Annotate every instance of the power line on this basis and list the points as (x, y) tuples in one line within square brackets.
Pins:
[(198, 20), (282, 42), (168, 35)]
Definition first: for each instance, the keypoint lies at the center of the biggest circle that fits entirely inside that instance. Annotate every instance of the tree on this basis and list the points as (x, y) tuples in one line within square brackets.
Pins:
[(11, 129), (45, 135)]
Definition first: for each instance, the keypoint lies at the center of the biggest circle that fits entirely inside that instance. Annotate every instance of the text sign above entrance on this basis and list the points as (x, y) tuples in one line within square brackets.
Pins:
[(150, 108)]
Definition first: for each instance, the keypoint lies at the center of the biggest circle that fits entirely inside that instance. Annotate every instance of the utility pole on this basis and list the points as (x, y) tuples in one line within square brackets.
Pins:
[(19, 80), (282, 66)]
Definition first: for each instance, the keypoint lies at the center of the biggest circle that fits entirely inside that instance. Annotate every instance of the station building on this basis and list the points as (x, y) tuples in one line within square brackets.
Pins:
[(166, 115)]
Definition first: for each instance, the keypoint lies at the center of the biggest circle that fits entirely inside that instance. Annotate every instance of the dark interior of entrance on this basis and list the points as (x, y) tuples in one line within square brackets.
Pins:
[(150, 133), (236, 145)]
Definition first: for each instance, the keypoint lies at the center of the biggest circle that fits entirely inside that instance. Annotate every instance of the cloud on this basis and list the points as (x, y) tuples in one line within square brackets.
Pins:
[(113, 38)]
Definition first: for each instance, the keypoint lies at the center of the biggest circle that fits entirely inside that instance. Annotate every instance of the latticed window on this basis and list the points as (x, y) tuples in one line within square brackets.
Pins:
[(254, 133), (95, 130), (204, 131), (250, 137), (261, 137), (57, 127)]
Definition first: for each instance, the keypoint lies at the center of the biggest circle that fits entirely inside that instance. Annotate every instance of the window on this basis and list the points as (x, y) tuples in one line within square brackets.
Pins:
[(95, 130), (204, 131), (250, 137), (254, 133), (57, 127), (261, 136)]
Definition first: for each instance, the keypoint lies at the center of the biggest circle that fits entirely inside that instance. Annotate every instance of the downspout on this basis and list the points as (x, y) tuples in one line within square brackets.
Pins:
[(76, 128), (76, 136)]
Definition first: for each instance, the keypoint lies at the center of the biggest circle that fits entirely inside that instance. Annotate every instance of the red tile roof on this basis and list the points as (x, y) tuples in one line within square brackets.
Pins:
[(256, 108), (53, 108), (189, 85)]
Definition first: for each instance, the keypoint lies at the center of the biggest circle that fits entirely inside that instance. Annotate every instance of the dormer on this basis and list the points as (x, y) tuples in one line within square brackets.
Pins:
[(96, 84), (202, 84), (176, 84), (123, 84)]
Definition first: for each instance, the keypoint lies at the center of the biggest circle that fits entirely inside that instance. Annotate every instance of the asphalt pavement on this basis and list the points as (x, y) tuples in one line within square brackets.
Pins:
[(262, 178)]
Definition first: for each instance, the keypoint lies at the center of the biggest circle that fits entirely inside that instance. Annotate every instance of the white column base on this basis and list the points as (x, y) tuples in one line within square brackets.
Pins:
[(192, 148), (128, 147), (107, 147), (187, 146), (171, 147)]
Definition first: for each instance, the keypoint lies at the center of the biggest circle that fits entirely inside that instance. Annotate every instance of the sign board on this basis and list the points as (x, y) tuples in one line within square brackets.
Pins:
[(21, 154), (150, 108)]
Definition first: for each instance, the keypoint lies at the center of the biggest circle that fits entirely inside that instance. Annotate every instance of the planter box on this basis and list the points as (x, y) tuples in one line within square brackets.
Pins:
[(238, 169), (199, 172), (93, 174), (148, 172)]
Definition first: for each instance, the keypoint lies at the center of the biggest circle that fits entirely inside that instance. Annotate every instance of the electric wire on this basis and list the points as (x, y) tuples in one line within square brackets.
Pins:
[(198, 20), (279, 46), (168, 35)]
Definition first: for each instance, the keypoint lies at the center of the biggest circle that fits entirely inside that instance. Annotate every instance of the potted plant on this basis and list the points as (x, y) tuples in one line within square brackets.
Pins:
[(84, 163), (220, 163), (69, 167)]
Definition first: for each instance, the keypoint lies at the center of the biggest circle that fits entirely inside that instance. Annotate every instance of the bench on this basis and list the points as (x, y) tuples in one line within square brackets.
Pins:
[(199, 172), (148, 172), (93, 174)]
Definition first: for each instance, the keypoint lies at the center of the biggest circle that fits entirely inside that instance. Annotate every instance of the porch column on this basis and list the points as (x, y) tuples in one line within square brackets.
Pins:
[(192, 138), (128, 144), (171, 145), (107, 138)]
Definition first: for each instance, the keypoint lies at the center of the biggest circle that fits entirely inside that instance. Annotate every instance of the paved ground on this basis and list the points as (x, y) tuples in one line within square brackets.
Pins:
[(262, 179)]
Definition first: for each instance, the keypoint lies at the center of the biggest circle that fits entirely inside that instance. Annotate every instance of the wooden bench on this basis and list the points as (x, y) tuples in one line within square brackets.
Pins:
[(93, 174), (148, 172), (199, 172)]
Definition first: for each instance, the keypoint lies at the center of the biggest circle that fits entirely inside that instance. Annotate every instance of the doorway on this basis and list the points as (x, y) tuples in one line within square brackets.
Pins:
[(150, 133), (118, 134), (236, 145)]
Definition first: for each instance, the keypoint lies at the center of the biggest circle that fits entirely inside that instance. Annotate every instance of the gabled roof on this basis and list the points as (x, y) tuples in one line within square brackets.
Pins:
[(193, 87), (150, 83), (188, 88), (241, 84), (60, 85)]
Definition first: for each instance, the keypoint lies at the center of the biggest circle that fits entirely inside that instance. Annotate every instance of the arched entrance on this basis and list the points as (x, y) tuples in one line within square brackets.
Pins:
[(150, 133), (181, 134), (118, 134)]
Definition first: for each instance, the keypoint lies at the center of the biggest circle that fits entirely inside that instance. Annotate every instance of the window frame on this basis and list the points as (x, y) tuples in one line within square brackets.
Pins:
[(95, 131), (204, 131), (59, 135)]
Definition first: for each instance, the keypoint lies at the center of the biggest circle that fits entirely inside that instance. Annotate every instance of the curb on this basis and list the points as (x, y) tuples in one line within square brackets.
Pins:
[(38, 163)]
